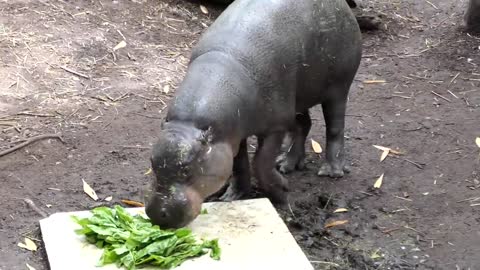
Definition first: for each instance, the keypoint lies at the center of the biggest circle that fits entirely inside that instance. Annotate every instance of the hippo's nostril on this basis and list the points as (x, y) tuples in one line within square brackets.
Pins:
[(163, 214)]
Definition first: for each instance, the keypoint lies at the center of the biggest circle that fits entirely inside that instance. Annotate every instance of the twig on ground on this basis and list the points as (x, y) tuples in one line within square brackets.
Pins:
[(469, 199), (30, 141), (454, 78), (327, 263), (401, 198), (410, 228), (291, 211), (328, 201), (35, 114), (148, 116), (35, 208), (431, 4), (451, 93), (135, 147), (391, 230), (366, 193), (75, 72), (418, 165), (440, 96)]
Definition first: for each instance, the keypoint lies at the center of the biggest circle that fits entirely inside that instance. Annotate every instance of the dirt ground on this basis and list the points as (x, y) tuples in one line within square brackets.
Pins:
[(417, 92)]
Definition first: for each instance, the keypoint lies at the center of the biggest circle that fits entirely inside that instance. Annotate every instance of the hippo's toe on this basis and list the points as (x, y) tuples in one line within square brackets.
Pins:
[(327, 170)]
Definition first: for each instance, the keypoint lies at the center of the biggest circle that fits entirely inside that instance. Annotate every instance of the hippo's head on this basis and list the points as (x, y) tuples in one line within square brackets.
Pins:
[(188, 168)]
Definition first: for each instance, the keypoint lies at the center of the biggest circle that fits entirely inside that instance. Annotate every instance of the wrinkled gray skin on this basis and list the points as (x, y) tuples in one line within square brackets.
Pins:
[(351, 3), (256, 71), (472, 16), (366, 22)]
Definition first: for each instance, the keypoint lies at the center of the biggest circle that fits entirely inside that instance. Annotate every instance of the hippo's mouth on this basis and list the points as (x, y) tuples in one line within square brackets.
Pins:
[(173, 209)]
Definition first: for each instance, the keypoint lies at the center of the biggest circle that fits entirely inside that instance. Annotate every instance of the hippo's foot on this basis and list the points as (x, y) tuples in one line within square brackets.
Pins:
[(333, 171), (369, 23), (287, 163), (234, 193), (275, 188)]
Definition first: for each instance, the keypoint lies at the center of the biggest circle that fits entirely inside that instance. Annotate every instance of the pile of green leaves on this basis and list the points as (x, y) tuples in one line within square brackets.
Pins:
[(132, 241)]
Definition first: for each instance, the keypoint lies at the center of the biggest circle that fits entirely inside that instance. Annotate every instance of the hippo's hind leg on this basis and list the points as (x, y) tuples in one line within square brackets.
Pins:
[(240, 181), (334, 114), (270, 181), (295, 155)]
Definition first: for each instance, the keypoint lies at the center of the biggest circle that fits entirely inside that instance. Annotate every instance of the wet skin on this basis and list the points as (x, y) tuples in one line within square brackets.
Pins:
[(257, 70)]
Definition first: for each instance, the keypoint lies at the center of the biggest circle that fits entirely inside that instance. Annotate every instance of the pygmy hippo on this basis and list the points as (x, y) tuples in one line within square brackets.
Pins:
[(257, 70), (472, 16)]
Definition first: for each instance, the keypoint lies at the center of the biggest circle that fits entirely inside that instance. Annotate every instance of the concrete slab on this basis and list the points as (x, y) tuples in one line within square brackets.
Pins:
[(250, 232)]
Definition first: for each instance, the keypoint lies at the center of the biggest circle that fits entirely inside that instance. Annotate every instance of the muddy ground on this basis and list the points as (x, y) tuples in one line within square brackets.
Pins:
[(59, 75)]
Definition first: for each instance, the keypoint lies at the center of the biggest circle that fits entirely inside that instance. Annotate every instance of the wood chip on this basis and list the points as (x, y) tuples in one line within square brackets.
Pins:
[(30, 267), (108, 199), (477, 141), (120, 45), (148, 172), (335, 223), (317, 148), (374, 81), (90, 192), (166, 89), (203, 9), (341, 210)]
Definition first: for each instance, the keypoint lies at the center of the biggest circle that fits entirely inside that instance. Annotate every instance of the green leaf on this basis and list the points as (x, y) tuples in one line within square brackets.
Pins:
[(216, 251), (184, 232), (108, 256), (131, 241)]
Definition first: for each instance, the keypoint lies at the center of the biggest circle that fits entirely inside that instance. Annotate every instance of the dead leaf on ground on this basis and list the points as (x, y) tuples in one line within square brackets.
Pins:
[(120, 45), (335, 223), (477, 141), (379, 182), (29, 245), (383, 148), (108, 199), (317, 148), (148, 172), (30, 267), (203, 9), (133, 203), (384, 155), (341, 210), (90, 192), (375, 255)]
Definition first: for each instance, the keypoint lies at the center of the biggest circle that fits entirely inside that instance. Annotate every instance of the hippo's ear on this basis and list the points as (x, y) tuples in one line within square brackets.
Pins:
[(207, 136)]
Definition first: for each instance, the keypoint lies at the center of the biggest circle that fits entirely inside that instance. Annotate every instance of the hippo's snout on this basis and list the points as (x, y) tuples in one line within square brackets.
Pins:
[(175, 210)]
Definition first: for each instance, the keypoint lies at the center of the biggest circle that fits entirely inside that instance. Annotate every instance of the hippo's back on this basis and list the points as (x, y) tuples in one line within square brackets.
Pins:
[(266, 60), (287, 45)]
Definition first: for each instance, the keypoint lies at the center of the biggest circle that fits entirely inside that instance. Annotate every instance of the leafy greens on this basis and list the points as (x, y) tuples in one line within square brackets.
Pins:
[(132, 241)]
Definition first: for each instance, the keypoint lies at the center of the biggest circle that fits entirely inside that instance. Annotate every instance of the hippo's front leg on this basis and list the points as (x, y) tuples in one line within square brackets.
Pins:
[(334, 114), (240, 181), (269, 179)]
